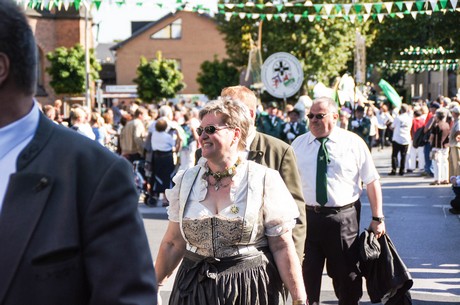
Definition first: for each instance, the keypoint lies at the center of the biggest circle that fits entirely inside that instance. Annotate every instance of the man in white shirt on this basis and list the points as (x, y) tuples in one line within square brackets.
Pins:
[(333, 225)]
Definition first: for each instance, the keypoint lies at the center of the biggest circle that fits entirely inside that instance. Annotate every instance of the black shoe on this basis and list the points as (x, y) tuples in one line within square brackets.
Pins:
[(392, 173), (454, 211), (401, 173), (410, 171)]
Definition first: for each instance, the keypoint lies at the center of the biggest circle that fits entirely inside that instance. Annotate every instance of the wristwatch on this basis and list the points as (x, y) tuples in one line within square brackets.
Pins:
[(379, 219)]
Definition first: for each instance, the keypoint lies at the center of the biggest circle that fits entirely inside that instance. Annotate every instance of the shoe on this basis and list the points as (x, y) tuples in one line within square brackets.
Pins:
[(392, 173), (401, 173), (434, 183), (445, 182), (454, 211), (424, 174), (410, 171)]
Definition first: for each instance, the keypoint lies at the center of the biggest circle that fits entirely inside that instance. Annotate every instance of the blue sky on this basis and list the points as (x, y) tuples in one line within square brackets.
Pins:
[(115, 21)]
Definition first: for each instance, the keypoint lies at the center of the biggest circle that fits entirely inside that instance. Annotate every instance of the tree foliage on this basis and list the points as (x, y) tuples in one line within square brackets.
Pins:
[(215, 75), (324, 47), (426, 32), (158, 79), (67, 69)]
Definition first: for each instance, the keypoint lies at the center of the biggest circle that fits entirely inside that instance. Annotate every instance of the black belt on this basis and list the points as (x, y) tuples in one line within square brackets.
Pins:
[(161, 153), (329, 210)]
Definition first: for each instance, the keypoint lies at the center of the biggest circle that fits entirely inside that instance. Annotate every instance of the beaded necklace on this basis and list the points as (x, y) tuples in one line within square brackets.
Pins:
[(218, 176)]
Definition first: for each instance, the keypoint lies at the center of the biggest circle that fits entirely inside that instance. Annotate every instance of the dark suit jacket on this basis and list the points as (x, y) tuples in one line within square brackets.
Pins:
[(70, 232), (276, 154)]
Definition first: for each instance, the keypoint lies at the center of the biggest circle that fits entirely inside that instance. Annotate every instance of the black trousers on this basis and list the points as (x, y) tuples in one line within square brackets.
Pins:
[(402, 149), (333, 239)]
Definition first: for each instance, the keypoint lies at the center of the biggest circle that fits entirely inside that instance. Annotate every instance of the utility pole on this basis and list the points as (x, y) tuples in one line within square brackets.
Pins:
[(87, 30)]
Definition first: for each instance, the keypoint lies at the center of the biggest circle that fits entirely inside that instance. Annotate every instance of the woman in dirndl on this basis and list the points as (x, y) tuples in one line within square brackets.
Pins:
[(230, 222)]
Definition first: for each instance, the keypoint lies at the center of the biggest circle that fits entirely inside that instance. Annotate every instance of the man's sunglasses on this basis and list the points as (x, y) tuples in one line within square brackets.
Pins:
[(318, 116), (209, 129)]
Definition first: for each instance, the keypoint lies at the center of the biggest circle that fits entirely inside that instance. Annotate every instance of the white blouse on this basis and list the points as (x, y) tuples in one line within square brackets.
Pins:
[(278, 207)]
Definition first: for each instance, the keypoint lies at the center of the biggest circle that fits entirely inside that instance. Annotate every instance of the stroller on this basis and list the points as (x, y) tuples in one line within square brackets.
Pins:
[(141, 175)]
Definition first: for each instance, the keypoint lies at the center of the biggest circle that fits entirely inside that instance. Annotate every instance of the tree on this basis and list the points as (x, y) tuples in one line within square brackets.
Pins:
[(67, 69), (392, 36), (216, 75), (157, 79), (324, 47)]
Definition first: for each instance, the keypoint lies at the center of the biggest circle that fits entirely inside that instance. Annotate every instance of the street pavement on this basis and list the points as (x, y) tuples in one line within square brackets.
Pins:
[(426, 235)]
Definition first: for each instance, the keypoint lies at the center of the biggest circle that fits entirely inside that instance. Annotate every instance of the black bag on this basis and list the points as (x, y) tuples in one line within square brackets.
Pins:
[(420, 138)]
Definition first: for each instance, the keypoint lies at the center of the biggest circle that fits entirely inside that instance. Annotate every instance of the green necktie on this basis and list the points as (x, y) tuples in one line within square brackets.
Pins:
[(321, 172)]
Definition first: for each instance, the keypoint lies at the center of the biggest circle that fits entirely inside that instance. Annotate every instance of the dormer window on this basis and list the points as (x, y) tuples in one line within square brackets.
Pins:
[(171, 31)]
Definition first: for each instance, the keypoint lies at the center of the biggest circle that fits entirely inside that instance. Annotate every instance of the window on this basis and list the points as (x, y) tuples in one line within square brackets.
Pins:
[(171, 31)]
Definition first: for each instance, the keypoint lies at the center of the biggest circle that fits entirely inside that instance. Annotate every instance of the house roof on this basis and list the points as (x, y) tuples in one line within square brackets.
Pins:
[(104, 54), (149, 26)]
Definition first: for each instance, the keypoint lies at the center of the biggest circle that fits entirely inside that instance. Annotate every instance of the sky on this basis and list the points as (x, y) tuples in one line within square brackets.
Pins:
[(115, 21)]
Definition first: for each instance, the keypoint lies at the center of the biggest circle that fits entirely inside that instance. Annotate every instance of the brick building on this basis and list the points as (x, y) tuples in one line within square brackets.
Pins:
[(187, 37), (53, 29)]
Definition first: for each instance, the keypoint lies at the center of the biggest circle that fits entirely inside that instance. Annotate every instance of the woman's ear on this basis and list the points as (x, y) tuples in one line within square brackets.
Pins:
[(4, 67)]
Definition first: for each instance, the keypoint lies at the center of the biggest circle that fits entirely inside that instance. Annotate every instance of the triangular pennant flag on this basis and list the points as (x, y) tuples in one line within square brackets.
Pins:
[(288, 4), (433, 4), (318, 7), (268, 4), (249, 4), (338, 8), (414, 15), (260, 6), (368, 7), (311, 18), (279, 7), (228, 16), (290, 15), (453, 3), (66, 4), (328, 8), (59, 5), (221, 6), (358, 7), (400, 15), (365, 17), (378, 7), (249, 15), (352, 18), (347, 8), (393, 15), (297, 17), (283, 16), (242, 15), (269, 17), (263, 16), (399, 4), (380, 17), (240, 5), (255, 16), (409, 5), (97, 3), (318, 18), (76, 4), (346, 17), (389, 6), (419, 5), (443, 3), (374, 17), (305, 14), (230, 6), (276, 16)]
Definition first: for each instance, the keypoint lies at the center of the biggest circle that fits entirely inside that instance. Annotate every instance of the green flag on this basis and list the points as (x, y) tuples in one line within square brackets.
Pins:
[(390, 93)]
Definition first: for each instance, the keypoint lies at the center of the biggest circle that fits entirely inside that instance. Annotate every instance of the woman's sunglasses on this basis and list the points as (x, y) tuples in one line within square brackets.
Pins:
[(318, 116), (209, 129)]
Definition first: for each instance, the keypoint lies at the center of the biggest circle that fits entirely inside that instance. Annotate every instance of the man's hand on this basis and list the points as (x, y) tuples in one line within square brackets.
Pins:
[(378, 228)]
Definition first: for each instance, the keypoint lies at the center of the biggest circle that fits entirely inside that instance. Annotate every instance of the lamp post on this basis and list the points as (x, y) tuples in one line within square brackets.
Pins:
[(87, 28)]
